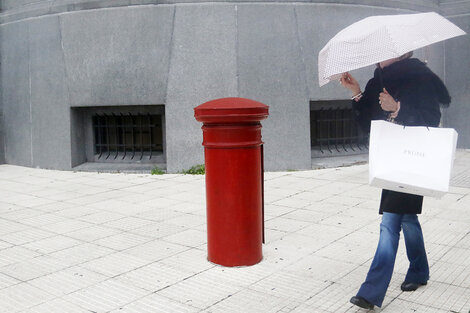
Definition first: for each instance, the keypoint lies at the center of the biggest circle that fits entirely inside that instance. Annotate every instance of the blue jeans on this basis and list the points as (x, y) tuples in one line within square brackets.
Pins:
[(381, 269)]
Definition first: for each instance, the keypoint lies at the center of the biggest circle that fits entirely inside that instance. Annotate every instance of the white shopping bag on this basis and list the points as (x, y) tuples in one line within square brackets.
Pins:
[(416, 160)]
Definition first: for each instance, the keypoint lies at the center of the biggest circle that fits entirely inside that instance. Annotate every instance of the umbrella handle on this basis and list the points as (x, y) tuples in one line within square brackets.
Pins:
[(426, 54)]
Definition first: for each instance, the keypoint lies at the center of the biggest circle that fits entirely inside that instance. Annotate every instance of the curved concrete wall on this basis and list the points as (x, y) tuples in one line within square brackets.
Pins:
[(175, 54), (21, 9), (457, 65)]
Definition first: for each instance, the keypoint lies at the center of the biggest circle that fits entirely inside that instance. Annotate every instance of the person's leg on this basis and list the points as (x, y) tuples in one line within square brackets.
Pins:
[(418, 272), (381, 269)]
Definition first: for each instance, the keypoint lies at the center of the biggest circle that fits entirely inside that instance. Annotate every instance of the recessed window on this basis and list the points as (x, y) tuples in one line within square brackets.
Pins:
[(133, 135), (333, 129)]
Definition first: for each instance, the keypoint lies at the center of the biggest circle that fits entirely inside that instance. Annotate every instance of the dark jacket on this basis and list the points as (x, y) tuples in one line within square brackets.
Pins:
[(420, 92)]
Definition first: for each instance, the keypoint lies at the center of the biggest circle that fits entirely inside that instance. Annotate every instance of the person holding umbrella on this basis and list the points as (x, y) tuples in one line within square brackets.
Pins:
[(404, 91)]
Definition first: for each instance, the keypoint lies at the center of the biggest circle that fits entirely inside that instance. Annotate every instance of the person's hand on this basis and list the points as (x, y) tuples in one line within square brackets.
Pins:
[(386, 101), (349, 82)]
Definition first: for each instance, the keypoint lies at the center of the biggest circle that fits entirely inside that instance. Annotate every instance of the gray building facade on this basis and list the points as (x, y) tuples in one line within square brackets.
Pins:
[(66, 64)]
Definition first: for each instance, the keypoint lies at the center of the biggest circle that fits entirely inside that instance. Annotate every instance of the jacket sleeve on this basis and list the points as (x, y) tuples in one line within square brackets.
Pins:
[(363, 108), (419, 105)]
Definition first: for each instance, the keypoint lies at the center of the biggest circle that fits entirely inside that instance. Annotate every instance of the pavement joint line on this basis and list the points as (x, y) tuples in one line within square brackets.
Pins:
[(54, 234), (223, 299), (406, 300), (84, 195), (395, 298)]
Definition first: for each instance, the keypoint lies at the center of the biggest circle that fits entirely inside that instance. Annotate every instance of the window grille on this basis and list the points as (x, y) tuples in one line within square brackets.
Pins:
[(131, 135), (334, 129)]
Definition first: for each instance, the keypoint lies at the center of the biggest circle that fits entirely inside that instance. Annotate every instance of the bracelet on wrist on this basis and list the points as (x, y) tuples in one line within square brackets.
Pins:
[(357, 97)]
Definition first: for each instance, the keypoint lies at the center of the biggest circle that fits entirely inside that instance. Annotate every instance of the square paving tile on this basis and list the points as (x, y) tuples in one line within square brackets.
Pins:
[(67, 281), (122, 241), (154, 276), (81, 253), (156, 304), (16, 254), (115, 264), (105, 296), (22, 296), (33, 268), (155, 250), (200, 291), (52, 244), (56, 306), (90, 234)]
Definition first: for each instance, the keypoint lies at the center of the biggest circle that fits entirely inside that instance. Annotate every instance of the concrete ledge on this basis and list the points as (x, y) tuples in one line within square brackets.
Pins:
[(118, 168), (339, 161)]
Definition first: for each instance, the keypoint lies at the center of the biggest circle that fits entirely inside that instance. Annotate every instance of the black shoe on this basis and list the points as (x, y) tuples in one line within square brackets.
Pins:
[(407, 286), (361, 302)]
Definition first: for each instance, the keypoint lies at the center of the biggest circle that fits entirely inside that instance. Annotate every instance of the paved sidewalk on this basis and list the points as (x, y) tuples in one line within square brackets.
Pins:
[(77, 242)]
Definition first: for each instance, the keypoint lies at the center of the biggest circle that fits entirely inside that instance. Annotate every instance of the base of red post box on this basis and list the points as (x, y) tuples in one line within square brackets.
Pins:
[(234, 206)]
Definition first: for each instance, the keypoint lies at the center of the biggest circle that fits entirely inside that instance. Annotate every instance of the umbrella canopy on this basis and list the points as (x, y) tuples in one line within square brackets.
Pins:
[(379, 38)]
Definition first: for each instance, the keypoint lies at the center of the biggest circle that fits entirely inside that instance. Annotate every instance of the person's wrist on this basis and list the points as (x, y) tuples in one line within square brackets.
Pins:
[(356, 97), (397, 106), (395, 113)]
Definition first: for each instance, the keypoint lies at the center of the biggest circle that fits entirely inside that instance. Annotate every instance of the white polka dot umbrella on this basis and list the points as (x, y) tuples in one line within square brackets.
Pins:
[(379, 38)]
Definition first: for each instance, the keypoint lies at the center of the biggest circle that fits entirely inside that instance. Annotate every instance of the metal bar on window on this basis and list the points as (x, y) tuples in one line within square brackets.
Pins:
[(99, 140), (328, 123), (132, 136), (124, 126), (150, 135), (116, 140), (141, 136), (108, 146), (322, 124), (335, 122), (351, 130), (319, 131), (345, 129)]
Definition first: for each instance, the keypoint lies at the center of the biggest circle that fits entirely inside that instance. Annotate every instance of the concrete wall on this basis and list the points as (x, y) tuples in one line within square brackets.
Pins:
[(457, 65), (2, 141), (89, 58), (117, 56), (15, 81), (179, 55), (266, 52), (203, 67), (37, 123), (21, 9)]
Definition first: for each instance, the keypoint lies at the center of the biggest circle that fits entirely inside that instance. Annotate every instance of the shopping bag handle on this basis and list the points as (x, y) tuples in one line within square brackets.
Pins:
[(427, 127)]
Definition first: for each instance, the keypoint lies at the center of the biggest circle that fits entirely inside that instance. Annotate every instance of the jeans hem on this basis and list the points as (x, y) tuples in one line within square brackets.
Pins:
[(363, 293)]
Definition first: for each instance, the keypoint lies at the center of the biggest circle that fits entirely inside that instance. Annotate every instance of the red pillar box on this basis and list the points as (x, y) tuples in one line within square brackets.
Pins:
[(234, 179)]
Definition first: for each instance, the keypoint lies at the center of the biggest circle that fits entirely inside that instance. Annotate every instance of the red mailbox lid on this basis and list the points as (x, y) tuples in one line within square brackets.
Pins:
[(231, 110)]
